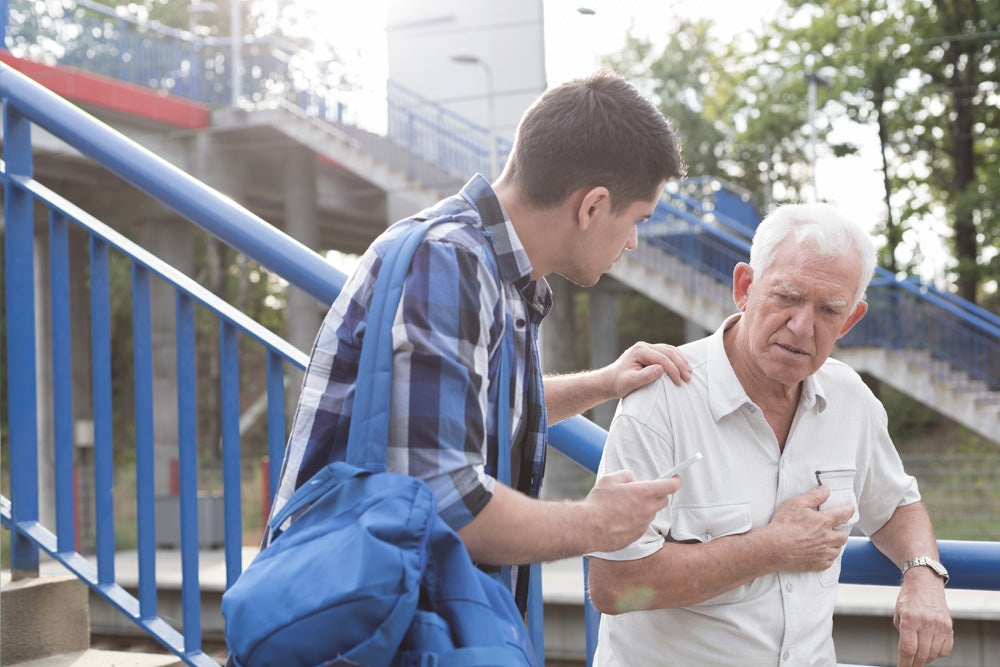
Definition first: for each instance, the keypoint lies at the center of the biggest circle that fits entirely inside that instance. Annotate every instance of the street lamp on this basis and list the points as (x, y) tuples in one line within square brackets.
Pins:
[(466, 59), (197, 8), (236, 35), (814, 80)]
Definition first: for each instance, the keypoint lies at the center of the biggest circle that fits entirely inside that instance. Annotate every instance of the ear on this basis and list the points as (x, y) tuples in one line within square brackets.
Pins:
[(742, 279), (859, 312), (591, 204)]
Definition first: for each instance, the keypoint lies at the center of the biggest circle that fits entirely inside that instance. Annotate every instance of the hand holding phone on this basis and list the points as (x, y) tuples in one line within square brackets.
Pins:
[(682, 466)]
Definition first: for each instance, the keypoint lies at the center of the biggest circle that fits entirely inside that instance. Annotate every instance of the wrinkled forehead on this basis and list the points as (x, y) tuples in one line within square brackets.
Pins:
[(801, 265)]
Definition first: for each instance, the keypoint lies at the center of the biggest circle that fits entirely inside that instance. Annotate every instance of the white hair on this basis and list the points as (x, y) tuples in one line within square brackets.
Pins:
[(828, 230)]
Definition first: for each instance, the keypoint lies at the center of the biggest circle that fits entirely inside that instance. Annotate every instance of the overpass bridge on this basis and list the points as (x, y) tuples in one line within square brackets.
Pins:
[(332, 166), (304, 161)]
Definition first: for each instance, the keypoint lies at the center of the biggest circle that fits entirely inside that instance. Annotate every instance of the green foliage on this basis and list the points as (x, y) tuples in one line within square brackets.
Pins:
[(922, 73), (908, 419)]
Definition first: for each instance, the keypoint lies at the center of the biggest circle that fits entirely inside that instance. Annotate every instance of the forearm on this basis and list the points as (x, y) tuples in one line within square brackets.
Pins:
[(569, 395), (514, 529), (907, 534), (680, 575)]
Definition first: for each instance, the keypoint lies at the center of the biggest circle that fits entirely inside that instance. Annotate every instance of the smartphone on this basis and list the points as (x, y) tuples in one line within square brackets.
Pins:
[(682, 466)]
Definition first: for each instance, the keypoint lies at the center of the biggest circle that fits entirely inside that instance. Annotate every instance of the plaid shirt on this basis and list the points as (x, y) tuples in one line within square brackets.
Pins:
[(446, 337)]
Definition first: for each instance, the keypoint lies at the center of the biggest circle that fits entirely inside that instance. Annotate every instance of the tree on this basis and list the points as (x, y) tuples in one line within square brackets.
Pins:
[(925, 73), (737, 108), (676, 78)]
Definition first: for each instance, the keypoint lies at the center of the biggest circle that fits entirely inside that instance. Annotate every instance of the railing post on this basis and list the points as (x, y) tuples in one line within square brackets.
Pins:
[(187, 418), (62, 380), (22, 403), (275, 419), (145, 488), (4, 22), (229, 363), (100, 345)]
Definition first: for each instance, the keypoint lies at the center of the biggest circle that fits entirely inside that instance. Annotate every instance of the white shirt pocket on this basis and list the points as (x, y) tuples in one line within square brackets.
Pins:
[(841, 485), (840, 481)]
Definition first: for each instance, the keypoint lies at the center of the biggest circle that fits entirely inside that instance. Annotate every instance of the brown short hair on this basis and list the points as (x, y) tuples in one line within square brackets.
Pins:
[(592, 132)]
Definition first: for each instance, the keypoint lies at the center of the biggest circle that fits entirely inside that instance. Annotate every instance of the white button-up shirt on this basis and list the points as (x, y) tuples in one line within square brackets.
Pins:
[(783, 618)]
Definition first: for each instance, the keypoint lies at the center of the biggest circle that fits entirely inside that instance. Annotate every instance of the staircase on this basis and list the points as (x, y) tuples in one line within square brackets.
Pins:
[(53, 245), (46, 623)]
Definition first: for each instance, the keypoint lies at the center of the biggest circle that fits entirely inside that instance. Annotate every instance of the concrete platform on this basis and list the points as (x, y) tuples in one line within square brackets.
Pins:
[(863, 629), (99, 658)]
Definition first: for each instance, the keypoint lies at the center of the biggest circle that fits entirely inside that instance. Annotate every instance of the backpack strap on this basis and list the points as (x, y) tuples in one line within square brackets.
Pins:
[(369, 432)]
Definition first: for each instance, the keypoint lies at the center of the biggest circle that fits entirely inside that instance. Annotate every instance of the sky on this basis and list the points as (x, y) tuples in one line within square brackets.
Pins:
[(576, 41)]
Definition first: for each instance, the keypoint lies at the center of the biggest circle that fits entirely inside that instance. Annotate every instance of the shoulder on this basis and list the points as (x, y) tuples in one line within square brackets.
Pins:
[(842, 382)]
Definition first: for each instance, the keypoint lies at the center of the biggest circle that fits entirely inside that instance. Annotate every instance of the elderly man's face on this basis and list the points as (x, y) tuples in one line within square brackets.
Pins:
[(797, 309)]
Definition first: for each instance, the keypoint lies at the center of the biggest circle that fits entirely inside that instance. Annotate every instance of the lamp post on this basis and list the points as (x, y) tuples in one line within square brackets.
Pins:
[(465, 59), (814, 80), (236, 32), (197, 8)]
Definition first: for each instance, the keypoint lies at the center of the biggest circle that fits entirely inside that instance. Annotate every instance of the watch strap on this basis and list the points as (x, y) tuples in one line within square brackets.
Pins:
[(927, 561)]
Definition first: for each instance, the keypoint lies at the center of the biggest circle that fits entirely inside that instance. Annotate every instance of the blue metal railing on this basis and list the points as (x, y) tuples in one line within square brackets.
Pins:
[(25, 102), (711, 248), (955, 340), (99, 39)]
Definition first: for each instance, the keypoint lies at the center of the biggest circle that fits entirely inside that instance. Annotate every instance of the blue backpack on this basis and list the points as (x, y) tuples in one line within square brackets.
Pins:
[(367, 573)]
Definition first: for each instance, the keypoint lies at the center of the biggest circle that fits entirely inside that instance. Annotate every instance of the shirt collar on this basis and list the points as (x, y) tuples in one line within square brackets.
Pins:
[(515, 266), (726, 393)]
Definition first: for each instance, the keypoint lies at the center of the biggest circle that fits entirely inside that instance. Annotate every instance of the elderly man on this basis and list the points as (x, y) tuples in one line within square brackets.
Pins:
[(742, 567)]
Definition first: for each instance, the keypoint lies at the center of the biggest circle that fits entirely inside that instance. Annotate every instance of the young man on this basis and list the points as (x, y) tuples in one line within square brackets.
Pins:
[(588, 164), (742, 568)]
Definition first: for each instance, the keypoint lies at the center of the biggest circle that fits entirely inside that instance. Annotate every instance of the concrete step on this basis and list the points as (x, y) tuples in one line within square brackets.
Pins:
[(43, 616), (97, 658)]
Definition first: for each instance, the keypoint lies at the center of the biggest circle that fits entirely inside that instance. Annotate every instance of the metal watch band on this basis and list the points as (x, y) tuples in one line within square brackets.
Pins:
[(938, 568)]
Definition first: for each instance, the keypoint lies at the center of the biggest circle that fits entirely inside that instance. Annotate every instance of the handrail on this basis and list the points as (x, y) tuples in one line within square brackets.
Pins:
[(578, 438), (963, 335), (196, 68), (220, 216)]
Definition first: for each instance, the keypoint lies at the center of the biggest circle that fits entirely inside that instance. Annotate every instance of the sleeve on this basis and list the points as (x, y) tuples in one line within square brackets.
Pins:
[(885, 485), (639, 441), (442, 337)]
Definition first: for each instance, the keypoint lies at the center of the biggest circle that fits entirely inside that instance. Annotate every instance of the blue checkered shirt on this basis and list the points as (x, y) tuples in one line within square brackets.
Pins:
[(446, 337)]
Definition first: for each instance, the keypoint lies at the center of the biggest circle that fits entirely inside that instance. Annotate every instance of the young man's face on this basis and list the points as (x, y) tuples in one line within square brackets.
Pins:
[(796, 310), (608, 236)]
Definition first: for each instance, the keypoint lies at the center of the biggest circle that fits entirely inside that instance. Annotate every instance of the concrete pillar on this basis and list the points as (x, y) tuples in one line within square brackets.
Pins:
[(557, 346), (558, 340), (303, 312), (83, 416), (43, 383), (173, 242), (604, 348)]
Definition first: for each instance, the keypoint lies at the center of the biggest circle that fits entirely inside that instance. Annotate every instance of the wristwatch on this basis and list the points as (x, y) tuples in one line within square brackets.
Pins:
[(929, 562)]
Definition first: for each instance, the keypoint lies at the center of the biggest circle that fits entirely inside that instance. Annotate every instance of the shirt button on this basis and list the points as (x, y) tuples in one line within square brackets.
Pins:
[(706, 536), (786, 656), (788, 587), (752, 409), (519, 323)]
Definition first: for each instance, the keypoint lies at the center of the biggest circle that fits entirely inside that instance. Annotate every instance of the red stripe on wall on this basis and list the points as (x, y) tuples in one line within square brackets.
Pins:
[(105, 93)]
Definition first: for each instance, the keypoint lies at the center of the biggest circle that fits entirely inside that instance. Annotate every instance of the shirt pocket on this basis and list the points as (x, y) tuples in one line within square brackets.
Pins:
[(704, 523), (840, 481)]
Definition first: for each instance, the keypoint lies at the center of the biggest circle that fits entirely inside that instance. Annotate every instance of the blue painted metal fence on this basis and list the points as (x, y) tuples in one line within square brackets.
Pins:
[(956, 340), (99, 39), (712, 246)]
